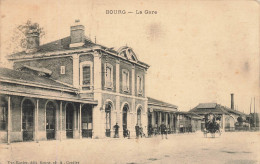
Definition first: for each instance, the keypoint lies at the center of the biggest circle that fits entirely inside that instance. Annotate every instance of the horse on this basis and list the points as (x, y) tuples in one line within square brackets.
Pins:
[(212, 125)]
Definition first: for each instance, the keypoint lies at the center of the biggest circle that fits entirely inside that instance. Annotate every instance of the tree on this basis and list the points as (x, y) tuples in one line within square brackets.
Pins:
[(18, 40)]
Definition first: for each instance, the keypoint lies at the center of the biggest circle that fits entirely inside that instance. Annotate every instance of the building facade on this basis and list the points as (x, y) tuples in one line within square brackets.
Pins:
[(227, 115), (159, 113), (72, 88)]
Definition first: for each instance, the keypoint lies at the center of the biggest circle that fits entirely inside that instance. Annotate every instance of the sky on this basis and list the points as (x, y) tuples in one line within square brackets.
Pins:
[(198, 51)]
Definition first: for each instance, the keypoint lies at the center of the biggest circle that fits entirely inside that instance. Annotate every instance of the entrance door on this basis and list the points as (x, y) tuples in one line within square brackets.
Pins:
[(125, 109), (50, 120), (87, 121), (139, 117), (69, 120), (27, 120), (108, 120)]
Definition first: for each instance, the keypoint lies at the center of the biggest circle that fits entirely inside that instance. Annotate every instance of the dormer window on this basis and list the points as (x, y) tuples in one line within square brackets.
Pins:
[(125, 80), (108, 76), (86, 75), (140, 85)]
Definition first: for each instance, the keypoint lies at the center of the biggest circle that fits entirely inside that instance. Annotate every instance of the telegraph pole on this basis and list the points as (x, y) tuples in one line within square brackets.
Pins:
[(254, 114), (250, 114)]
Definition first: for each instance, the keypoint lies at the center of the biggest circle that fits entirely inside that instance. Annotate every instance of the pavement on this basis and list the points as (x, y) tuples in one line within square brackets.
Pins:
[(230, 147)]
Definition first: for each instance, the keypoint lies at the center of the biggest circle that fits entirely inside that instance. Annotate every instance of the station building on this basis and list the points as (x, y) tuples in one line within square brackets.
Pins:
[(76, 88), (71, 88)]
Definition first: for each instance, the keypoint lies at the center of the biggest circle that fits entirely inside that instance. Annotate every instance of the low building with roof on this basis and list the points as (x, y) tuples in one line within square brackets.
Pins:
[(176, 121), (188, 122), (228, 116), (161, 112)]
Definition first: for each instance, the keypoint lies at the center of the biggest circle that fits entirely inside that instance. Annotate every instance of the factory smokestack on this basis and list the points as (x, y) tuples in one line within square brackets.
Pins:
[(232, 101)]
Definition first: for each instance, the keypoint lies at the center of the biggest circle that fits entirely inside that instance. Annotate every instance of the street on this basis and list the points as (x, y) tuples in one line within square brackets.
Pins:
[(230, 147)]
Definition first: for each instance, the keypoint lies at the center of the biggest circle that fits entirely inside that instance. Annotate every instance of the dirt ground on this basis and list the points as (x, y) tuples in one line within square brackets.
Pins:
[(230, 147)]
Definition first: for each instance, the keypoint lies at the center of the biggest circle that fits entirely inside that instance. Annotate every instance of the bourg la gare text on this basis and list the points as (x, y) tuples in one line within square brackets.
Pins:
[(147, 12)]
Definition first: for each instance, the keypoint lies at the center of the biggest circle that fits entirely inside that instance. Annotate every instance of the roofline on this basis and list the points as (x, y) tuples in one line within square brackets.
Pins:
[(19, 93), (23, 82), (170, 105), (38, 55), (143, 65), (175, 107)]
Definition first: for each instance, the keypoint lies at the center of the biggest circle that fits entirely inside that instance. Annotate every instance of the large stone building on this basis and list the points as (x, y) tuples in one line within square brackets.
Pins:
[(75, 88), (71, 88)]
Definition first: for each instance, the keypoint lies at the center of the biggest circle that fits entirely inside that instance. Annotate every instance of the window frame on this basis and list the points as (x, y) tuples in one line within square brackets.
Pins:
[(83, 64), (127, 87), (140, 92), (62, 70), (4, 121), (107, 85)]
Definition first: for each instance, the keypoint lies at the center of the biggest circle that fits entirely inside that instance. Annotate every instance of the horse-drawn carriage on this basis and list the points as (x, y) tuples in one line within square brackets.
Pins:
[(212, 125)]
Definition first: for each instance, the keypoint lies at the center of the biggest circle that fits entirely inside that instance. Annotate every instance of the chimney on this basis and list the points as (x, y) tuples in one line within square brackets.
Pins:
[(77, 34), (232, 100), (33, 41)]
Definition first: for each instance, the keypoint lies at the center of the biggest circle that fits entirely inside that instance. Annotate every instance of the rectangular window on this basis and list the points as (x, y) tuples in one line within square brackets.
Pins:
[(125, 79), (62, 70), (139, 84), (86, 75), (108, 76)]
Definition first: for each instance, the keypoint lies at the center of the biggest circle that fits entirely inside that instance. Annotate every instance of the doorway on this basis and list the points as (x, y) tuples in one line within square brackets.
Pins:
[(108, 119), (27, 120), (125, 109), (69, 120), (139, 117), (50, 120), (87, 120)]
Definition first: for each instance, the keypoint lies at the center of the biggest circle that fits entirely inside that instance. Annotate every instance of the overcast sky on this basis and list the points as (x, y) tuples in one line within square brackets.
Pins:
[(199, 51)]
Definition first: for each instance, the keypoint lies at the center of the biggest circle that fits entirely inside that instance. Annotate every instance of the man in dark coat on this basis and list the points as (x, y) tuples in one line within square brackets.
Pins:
[(150, 130), (116, 127), (163, 130), (137, 130)]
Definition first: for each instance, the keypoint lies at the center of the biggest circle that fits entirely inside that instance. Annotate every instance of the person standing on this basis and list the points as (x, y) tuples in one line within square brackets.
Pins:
[(137, 130), (163, 130), (116, 127), (150, 130)]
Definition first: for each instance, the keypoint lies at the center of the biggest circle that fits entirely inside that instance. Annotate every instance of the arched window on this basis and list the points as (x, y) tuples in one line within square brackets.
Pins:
[(139, 116), (3, 114)]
